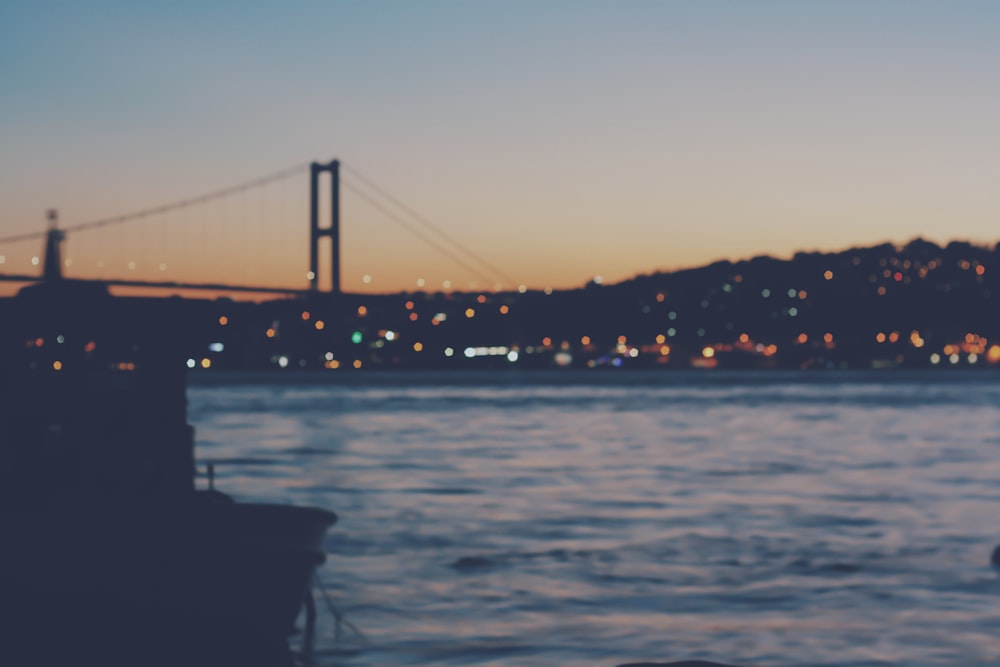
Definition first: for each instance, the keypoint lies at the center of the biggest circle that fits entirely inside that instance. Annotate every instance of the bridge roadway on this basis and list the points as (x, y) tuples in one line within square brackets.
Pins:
[(218, 287)]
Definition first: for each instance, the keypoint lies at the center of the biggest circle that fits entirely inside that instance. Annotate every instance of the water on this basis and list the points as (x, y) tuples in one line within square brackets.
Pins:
[(595, 519)]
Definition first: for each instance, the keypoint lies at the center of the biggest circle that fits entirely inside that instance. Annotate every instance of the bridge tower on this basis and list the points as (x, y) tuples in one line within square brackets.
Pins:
[(333, 231), (52, 268)]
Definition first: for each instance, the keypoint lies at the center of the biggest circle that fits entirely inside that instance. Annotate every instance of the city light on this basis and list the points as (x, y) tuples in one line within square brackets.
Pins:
[(611, 327)]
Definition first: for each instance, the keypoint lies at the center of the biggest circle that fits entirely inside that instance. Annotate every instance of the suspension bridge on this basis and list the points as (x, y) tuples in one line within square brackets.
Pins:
[(259, 236)]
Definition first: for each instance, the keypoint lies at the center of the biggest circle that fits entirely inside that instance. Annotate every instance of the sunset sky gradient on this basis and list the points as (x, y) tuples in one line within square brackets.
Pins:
[(559, 139)]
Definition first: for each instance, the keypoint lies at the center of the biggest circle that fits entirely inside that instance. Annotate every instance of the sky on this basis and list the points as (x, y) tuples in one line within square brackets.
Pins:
[(558, 140)]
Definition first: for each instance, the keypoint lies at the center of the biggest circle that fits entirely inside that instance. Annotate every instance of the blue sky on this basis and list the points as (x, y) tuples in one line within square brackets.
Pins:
[(561, 139)]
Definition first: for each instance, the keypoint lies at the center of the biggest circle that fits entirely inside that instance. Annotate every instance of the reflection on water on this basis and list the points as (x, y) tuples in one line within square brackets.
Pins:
[(597, 519)]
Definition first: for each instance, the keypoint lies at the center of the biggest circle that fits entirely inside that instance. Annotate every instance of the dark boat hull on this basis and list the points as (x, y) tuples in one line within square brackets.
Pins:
[(209, 570)]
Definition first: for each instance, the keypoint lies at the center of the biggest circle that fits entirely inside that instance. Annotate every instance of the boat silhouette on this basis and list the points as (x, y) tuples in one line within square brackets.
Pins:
[(106, 541)]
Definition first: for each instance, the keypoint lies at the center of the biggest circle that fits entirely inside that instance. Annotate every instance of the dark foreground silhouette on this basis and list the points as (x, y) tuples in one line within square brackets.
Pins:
[(110, 555)]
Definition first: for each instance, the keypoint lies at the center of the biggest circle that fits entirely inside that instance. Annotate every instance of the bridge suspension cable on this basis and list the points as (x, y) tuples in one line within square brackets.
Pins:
[(173, 206), (455, 255), (359, 184), (416, 232)]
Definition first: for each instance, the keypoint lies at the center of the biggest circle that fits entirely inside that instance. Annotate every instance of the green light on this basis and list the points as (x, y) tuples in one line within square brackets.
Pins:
[(356, 337)]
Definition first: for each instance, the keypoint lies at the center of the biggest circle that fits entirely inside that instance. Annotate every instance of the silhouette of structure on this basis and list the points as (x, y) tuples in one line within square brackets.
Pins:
[(52, 269), (217, 249), (333, 231), (106, 536)]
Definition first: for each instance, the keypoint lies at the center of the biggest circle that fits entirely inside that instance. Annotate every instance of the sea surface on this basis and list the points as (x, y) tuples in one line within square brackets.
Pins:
[(760, 518)]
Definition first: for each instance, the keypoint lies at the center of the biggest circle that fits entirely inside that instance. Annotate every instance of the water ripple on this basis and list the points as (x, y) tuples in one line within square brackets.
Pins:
[(773, 519)]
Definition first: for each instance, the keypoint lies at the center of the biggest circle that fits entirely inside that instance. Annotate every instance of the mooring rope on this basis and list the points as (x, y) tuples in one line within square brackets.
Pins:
[(337, 614)]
